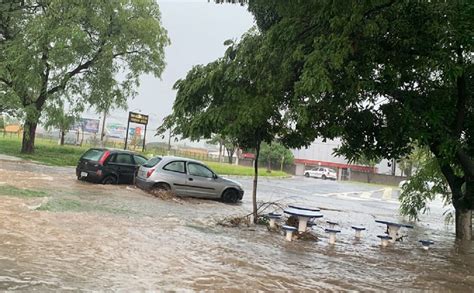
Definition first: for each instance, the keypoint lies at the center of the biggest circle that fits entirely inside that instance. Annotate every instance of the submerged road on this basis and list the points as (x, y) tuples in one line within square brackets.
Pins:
[(80, 236)]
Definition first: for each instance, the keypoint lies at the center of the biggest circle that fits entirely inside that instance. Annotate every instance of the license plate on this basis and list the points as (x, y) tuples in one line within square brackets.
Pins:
[(84, 174)]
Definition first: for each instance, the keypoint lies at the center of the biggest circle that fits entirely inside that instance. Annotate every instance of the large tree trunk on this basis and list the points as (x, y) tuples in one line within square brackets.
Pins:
[(255, 181), (63, 133), (237, 152), (230, 155), (464, 224), (29, 133), (220, 151)]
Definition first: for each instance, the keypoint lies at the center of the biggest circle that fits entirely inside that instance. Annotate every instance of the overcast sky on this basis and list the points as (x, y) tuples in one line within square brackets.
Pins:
[(197, 30)]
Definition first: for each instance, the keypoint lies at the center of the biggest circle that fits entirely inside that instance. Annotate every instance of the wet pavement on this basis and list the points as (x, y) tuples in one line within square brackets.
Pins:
[(96, 237)]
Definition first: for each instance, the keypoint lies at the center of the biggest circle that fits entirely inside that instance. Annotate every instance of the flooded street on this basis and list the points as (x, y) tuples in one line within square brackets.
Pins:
[(71, 235)]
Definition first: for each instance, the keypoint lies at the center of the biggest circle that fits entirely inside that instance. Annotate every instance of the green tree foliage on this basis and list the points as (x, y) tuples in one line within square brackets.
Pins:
[(414, 161), (383, 76), (59, 49), (426, 183), (369, 162), (229, 144), (57, 117), (226, 97), (276, 154)]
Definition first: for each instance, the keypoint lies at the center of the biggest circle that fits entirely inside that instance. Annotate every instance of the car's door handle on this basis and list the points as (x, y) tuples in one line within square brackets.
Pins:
[(190, 179)]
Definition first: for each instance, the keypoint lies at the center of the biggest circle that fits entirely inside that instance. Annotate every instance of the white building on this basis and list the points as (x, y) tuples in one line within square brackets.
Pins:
[(321, 153)]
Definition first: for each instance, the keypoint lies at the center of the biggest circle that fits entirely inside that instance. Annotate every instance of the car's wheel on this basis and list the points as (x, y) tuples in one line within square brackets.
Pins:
[(161, 189), (323, 177), (109, 180), (306, 174), (230, 196)]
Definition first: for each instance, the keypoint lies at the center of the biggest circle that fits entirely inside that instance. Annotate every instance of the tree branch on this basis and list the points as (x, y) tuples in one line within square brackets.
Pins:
[(74, 72), (376, 9), (454, 181), (125, 53), (44, 78), (462, 98), (5, 81), (466, 162)]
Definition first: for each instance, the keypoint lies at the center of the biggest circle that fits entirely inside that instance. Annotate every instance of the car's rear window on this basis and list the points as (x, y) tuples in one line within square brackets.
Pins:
[(93, 155), (152, 162), (139, 160)]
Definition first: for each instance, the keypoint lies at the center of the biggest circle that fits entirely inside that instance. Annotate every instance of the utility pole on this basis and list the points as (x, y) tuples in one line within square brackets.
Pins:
[(169, 141)]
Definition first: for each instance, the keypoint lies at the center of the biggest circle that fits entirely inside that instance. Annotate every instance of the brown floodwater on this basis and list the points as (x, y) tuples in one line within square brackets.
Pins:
[(121, 238)]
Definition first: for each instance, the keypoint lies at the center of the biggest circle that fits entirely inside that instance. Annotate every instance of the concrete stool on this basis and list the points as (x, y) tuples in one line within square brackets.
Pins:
[(273, 217), (289, 231), (426, 244), (358, 231), (384, 239), (332, 224), (332, 235)]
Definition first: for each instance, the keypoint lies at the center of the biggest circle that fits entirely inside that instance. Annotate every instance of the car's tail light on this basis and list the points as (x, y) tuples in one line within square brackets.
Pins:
[(150, 171), (104, 157)]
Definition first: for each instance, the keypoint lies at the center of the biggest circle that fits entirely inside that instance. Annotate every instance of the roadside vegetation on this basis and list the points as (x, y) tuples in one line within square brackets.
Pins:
[(9, 190), (72, 205), (48, 152), (59, 204), (226, 169)]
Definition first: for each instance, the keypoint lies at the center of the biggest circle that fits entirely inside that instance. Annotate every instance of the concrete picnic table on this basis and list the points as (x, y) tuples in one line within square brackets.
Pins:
[(303, 217), (393, 229), (303, 208)]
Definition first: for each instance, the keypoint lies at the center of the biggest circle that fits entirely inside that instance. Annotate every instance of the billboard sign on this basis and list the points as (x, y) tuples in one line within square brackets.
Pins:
[(87, 125), (116, 130), (90, 125)]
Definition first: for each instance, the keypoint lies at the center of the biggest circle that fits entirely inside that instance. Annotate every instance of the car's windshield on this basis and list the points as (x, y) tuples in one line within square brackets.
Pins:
[(152, 162), (93, 155)]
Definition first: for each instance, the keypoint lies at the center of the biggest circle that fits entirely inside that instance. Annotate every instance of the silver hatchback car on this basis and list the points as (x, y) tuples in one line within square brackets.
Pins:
[(186, 177)]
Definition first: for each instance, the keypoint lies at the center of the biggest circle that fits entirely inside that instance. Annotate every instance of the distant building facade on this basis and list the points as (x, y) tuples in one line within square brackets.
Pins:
[(321, 153)]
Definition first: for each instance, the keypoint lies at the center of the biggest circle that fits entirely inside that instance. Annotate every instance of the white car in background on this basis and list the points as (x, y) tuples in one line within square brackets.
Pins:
[(321, 172)]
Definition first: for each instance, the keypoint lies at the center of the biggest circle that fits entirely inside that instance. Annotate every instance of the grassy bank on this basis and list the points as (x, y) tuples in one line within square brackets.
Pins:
[(48, 152), (227, 169), (19, 192)]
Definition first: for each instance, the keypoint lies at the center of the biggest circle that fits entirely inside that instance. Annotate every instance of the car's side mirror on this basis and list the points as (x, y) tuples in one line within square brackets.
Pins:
[(214, 176)]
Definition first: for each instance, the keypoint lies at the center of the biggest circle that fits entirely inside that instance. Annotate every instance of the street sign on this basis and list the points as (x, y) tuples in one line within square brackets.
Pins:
[(138, 118)]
